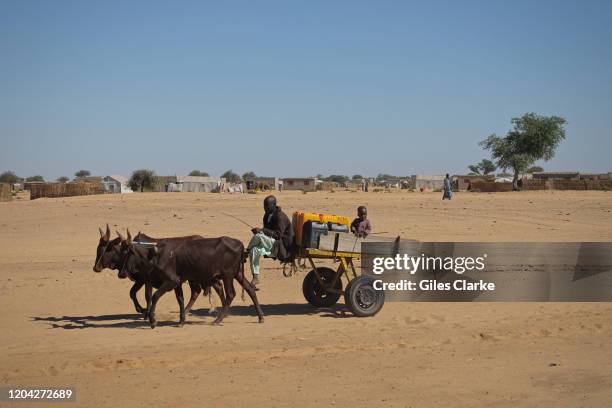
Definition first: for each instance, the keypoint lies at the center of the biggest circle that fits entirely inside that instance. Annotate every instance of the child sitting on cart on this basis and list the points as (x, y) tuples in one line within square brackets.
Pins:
[(361, 226)]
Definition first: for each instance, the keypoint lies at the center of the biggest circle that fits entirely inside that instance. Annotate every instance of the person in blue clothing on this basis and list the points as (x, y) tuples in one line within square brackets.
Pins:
[(448, 188)]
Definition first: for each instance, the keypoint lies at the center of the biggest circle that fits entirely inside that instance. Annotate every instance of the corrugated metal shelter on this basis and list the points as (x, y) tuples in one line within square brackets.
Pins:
[(194, 184)]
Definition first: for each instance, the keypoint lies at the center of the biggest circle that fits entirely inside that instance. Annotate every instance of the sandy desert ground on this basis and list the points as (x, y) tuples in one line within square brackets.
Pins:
[(64, 325)]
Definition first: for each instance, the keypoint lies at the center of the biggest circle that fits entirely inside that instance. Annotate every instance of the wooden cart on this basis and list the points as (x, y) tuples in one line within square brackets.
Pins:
[(322, 286)]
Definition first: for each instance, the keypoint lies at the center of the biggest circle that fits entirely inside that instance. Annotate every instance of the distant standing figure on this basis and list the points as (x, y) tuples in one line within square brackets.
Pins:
[(448, 189)]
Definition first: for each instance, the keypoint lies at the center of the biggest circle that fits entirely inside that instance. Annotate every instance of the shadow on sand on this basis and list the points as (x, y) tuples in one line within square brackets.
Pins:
[(136, 321)]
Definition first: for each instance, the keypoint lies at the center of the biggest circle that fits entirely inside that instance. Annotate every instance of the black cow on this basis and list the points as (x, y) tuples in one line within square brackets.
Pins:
[(204, 261)]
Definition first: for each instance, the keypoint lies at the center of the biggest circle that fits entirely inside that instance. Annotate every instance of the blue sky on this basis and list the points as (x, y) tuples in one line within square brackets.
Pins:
[(296, 88)]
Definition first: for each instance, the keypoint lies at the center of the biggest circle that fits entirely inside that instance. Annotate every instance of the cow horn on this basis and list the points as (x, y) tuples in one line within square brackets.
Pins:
[(101, 232), (120, 236), (129, 237), (107, 236)]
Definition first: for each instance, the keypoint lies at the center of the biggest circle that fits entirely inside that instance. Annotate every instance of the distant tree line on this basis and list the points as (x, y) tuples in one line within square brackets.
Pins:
[(11, 178), (146, 179), (198, 173)]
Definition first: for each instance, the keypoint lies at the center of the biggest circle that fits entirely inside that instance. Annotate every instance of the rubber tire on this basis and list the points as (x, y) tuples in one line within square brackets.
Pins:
[(354, 290), (315, 294)]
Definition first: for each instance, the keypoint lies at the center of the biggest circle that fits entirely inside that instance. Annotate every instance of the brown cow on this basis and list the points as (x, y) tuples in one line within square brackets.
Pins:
[(204, 261), (195, 288), (108, 255)]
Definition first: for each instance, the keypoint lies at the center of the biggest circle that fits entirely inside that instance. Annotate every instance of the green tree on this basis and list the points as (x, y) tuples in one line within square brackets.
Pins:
[(484, 167), (82, 173), (387, 177), (9, 177), (337, 178), (142, 179), (62, 179), (534, 169), (357, 177), (248, 174), (533, 138), (199, 173), (231, 177), (474, 169), (35, 178), (487, 166)]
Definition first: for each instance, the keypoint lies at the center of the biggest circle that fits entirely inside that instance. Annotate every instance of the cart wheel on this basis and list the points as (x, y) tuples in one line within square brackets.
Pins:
[(315, 294), (361, 297)]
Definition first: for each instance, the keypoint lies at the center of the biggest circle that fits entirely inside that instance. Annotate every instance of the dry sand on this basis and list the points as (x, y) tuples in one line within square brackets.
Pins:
[(64, 325)]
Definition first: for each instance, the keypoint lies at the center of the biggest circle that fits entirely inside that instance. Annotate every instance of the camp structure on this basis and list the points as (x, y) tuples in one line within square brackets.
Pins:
[(304, 184), (76, 188), (428, 182), (88, 179), (116, 184), (556, 175), (261, 183), (162, 183), (196, 184), (464, 182), (5, 192)]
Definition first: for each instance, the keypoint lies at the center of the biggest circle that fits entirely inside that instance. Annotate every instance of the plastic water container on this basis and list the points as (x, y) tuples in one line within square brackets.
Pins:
[(300, 218)]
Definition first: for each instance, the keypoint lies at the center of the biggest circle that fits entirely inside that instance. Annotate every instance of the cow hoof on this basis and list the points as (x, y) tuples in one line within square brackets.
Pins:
[(153, 324), (140, 310), (261, 320)]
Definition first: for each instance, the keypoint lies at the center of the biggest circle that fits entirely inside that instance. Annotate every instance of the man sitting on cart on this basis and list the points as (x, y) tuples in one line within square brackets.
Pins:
[(274, 240)]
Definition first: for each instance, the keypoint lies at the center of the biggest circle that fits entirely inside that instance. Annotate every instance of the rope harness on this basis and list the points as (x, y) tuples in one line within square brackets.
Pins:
[(103, 252), (124, 261)]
